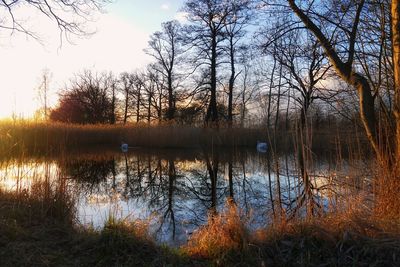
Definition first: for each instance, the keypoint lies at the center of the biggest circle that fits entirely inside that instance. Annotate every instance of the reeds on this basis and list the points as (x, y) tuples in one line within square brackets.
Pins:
[(347, 238), (387, 195), (223, 240), (26, 136), (339, 239), (37, 229), (40, 138)]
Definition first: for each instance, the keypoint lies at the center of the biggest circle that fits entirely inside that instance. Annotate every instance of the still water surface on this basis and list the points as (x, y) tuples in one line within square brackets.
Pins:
[(175, 190)]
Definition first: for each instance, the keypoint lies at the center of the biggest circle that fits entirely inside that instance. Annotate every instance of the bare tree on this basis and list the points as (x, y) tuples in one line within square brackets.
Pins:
[(304, 60), (43, 93), (110, 82), (238, 18), (340, 49), (126, 85), (69, 16), (164, 47), (249, 84), (138, 85), (205, 34), (87, 100), (153, 94)]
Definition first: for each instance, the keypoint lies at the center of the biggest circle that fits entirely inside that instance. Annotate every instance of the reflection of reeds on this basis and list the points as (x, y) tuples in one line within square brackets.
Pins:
[(38, 222)]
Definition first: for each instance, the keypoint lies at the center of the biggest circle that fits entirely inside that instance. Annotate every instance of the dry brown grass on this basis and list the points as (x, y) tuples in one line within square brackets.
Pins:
[(223, 239), (37, 229), (351, 237), (32, 232), (26, 136), (42, 201), (387, 196)]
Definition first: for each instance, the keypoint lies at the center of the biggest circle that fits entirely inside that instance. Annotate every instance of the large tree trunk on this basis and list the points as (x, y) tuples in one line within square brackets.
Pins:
[(231, 83), (149, 110), (171, 102), (278, 104), (212, 112), (395, 12), (346, 72), (126, 107), (243, 108), (367, 110)]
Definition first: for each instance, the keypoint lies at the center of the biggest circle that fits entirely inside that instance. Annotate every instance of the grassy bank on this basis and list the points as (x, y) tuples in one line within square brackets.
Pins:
[(339, 239), (39, 230)]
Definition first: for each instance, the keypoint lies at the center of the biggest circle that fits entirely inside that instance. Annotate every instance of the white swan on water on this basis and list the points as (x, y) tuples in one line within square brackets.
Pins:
[(262, 147), (124, 147)]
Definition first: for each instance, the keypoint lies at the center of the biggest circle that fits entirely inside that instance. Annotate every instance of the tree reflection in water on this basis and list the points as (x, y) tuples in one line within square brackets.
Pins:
[(179, 189)]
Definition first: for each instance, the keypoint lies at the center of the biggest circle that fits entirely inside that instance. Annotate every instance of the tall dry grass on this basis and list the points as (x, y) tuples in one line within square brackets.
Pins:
[(340, 239), (37, 228), (29, 137), (351, 237), (224, 239), (387, 196), (23, 136)]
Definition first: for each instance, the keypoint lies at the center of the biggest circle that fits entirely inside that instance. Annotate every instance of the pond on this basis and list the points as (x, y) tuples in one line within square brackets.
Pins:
[(175, 190)]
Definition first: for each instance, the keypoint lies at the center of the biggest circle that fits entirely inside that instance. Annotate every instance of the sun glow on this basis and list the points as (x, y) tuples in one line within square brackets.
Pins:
[(16, 177), (120, 35)]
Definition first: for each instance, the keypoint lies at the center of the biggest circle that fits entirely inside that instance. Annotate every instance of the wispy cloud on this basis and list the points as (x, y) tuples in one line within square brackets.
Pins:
[(164, 6)]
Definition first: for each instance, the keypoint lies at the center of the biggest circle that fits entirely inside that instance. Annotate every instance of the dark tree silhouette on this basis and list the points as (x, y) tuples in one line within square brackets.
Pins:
[(126, 81), (238, 18), (69, 110), (164, 47), (138, 88), (88, 100), (205, 34), (153, 94)]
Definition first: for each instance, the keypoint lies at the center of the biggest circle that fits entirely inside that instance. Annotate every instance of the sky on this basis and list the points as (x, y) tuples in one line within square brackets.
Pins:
[(121, 34)]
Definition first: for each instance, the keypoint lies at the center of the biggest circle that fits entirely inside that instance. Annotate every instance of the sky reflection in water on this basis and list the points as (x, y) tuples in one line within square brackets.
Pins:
[(175, 190)]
